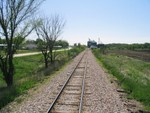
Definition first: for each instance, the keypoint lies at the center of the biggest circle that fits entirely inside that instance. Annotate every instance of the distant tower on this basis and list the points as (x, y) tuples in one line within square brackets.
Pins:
[(99, 41)]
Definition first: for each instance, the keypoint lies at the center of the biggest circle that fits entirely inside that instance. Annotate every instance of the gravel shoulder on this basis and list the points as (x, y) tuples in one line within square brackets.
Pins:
[(101, 96)]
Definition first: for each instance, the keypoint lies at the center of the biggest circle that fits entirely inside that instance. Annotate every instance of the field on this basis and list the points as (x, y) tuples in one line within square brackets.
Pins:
[(138, 54), (30, 71), (133, 74)]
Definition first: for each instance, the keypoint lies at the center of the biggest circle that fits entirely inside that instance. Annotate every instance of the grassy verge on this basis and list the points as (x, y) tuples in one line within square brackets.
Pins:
[(24, 78), (30, 71), (133, 75)]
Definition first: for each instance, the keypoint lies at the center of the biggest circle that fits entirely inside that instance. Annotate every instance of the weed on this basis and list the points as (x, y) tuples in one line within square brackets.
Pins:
[(133, 74)]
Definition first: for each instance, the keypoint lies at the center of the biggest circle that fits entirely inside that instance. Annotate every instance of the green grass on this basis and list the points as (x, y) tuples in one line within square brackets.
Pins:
[(29, 71), (133, 74), (24, 78)]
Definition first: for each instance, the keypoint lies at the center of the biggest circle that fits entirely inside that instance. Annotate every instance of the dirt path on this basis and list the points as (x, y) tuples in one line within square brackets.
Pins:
[(35, 53), (100, 95), (26, 54)]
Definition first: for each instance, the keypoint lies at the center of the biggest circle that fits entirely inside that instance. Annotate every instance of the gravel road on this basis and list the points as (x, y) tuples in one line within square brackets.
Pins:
[(36, 53), (100, 95), (27, 54)]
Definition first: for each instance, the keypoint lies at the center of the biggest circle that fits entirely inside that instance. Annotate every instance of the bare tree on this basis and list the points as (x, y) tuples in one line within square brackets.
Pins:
[(43, 47), (14, 21), (49, 30), (42, 42)]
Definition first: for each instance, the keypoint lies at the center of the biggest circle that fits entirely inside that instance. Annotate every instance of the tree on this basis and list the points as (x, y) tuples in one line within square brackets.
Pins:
[(14, 21), (17, 41), (2, 41), (49, 29), (43, 47), (79, 45), (75, 44), (62, 43)]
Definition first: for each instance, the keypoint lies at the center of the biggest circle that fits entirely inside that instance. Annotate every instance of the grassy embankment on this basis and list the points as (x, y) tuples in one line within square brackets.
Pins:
[(30, 71), (133, 75)]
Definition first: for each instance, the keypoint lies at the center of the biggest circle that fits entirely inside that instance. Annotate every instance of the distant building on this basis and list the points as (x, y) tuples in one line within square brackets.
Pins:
[(30, 46), (2, 46), (92, 44)]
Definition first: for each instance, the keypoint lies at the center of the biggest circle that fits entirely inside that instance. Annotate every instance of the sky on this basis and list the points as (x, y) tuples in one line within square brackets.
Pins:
[(112, 21)]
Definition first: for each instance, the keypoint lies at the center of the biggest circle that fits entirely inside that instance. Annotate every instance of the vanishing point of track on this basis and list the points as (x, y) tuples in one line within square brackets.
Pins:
[(70, 97)]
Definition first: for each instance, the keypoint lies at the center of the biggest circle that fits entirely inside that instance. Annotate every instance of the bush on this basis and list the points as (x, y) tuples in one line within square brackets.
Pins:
[(75, 51)]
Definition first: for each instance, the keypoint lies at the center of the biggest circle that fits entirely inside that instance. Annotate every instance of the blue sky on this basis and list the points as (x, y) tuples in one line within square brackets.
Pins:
[(113, 21)]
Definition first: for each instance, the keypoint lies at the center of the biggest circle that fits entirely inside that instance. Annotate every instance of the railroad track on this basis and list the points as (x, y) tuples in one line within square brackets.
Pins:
[(70, 97)]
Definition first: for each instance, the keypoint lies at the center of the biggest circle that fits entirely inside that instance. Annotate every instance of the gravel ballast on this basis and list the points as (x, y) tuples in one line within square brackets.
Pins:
[(100, 95)]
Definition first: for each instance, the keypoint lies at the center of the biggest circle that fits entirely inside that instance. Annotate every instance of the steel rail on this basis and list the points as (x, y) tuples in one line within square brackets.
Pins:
[(53, 103), (83, 87)]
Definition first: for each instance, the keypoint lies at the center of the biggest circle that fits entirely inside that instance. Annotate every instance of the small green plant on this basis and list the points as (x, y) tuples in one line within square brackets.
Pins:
[(75, 51), (133, 74)]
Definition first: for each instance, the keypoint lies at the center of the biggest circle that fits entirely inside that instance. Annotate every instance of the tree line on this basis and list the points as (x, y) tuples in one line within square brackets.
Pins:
[(20, 43), (16, 23), (135, 46)]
